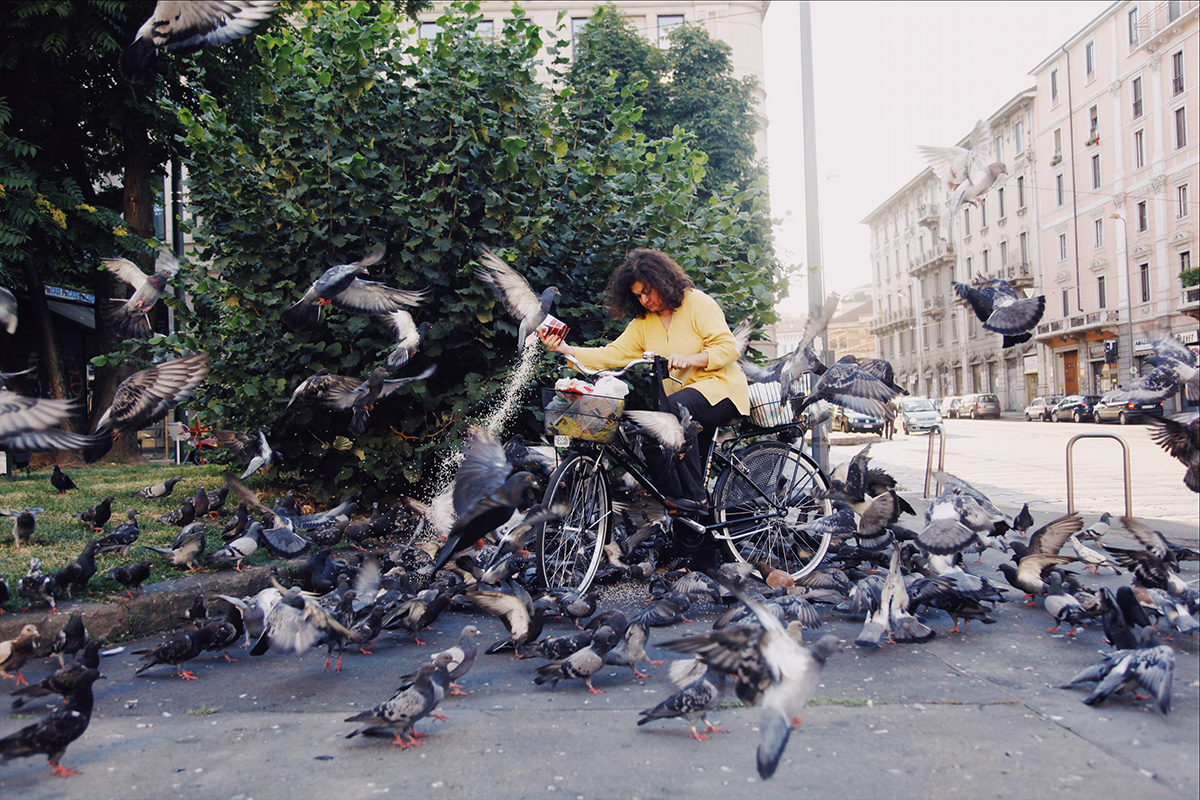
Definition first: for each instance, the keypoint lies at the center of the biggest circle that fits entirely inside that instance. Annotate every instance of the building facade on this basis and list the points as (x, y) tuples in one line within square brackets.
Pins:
[(738, 24), (935, 344), (1117, 157)]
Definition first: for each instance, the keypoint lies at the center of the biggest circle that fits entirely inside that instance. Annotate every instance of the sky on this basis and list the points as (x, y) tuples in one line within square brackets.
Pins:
[(888, 76)]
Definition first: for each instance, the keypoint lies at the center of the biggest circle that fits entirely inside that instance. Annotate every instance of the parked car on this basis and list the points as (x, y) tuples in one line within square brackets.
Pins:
[(979, 406), (1110, 408), (1077, 407), (916, 414), (848, 421), (949, 407), (1040, 407)]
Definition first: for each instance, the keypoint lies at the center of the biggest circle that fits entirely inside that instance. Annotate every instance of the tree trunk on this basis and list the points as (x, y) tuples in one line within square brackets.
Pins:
[(47, 338)]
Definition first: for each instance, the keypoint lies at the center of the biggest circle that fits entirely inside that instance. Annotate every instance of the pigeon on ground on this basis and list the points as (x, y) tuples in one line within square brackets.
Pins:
[(187, 547), (24, 523), (185, 26), (146, 397), (362, 398), (130, 319), (1001, 310), (181, 517), (31, 423), (239, 549), (16, 651), (1093, 559), (1063, 606), (1149, 668), (61, 480), (98, 515), (342, 287), (521, 619), (253, 451), (517, 296), (69, 640), (1181, 440), (583, 664), (1023, 521), (37, 587), (177, 651), (162, 489), (8, 311), (462, 657), (54, 733), (77, 574), (63, 680), (405, 708), (131, 576), (700, 691)]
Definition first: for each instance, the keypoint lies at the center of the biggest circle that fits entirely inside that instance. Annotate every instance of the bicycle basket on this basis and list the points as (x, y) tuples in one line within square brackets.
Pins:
[(765, 410), (592, 417)]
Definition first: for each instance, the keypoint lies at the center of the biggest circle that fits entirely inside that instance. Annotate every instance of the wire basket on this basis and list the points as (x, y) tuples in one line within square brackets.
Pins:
[(765, 410), (591, 417)]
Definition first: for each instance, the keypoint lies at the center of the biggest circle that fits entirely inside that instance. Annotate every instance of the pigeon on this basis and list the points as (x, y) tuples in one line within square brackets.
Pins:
[(146, 397), (254, 452), (239, 549), (405, 708), (186, 26), (98, 515), (555, 648), (63, 680), (1094, 532), (486, 492), (631, 650), (187, 547), (904, 626), (877, 367), (1023, 521), (1181, 440), (342, 287), (77, 574), (408, 336), (955, 165), (130, 319), (462, 657), (318, 387), (8, 311), (61, 481), (362, 398), (1175, 369), (181, 517), (293, 621), (700, 691), (1149, 668), (162, 489), (280, 540), (1093, 558), (24, 523), (675, 434), (51, 735), (36, 587), (31, 423), (1001, 310), (70, 638), (517, 296), (131, 576), (200, 501), (16, 651), (801, 360), (521, 619), (1157, 544), (177, 651), (969, 192), (850, 386), (1063, 606), (583, 663)]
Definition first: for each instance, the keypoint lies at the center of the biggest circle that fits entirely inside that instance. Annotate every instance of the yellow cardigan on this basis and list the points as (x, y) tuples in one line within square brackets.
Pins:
[(698, 325)]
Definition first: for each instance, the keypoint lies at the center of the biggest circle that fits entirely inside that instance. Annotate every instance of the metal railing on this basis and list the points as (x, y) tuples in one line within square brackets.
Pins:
[(940, 430), (1071, 469)]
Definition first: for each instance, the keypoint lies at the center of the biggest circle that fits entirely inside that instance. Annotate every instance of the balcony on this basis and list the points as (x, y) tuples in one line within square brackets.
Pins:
[(941, 255), (934, 305), (1189, 301), (886, 322), (927, 215), (1079, 323), (1162, 21), (1019, 275)]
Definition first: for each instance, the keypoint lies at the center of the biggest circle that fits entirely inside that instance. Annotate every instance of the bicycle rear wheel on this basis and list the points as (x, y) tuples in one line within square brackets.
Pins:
[(765, 499), (569, 549)]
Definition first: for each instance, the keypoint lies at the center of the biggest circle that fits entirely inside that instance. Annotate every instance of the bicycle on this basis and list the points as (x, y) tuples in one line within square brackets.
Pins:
[(765, 488)]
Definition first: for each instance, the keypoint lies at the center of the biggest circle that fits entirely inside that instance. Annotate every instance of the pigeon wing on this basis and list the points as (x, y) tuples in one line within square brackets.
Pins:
[(511, 288), (126, 271), (373, 298), (484, 469)]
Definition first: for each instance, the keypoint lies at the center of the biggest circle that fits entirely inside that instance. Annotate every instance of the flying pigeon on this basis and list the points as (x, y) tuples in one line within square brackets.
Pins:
[(408, 336), (955, 165), (342, 287), (130, 319), (185, 26), (850, 386), (31, 423), (1149, 668), (1001, 310), (8, 311), (318, 387), (362, 398), (675, 434), (255, 453), (1174, 369), (518, 297), (1181, 440), (969, 192)]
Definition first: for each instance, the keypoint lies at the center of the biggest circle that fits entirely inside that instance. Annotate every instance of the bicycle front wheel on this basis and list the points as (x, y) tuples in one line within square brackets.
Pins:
[(569, 549), (766, 493)]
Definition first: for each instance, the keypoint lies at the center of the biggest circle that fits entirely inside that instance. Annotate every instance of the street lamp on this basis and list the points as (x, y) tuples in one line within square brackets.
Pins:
[(1123, 244)]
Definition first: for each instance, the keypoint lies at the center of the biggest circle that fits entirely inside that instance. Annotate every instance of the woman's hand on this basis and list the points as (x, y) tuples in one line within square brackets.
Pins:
[(677, 361), (556, 343)]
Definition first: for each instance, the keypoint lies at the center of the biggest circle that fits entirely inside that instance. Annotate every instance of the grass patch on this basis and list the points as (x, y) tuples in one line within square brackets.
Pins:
[(60, 537), (203, 711), (845, 702)]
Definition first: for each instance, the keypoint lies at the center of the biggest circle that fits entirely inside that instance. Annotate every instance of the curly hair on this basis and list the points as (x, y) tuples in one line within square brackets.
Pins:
[(651, 268)]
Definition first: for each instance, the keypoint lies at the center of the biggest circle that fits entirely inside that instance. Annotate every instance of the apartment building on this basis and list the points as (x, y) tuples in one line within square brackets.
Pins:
[(935, 344), (738, 24), (1117, 159)]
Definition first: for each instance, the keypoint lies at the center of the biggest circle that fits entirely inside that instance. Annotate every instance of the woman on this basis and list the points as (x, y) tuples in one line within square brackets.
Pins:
[(673, 318)]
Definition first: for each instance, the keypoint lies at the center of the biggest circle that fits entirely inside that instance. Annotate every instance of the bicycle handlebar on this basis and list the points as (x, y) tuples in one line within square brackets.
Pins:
[(648, 357)]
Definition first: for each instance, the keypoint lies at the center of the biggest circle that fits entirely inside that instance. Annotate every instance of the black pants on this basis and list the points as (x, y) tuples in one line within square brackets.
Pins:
[(684, 477)]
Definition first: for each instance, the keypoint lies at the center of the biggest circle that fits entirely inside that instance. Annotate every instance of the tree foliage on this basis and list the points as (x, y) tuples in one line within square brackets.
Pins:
[(358, 136)]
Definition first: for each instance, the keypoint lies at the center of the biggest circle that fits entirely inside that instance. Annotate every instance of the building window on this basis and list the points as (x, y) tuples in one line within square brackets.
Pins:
[(1000, 149), (1177, 73), (1143, 216), (1004, 254), (1096, 171), (1144, 271), (666, 24), (1062, 247), (1020, 191), (1098, 233), (1101, 301), (429, 30), (485, 29), (982, 213), (1180, 127), (1089, 58), (1054, 86), (967, 277), (1137, 97), (986, 261), (1139, 149), (577, 26), (1066, 302), (966, 222), (1094, 122), (1185, 260), (1023, 239), (1173, 8), (1019, 136), (1058, 142), (1000, 201), (1181, 201), (1060, 189), (1133, 25)]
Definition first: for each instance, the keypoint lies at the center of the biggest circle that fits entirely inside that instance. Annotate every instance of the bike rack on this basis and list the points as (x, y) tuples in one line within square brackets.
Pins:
[(1071, 469), (940, 429)]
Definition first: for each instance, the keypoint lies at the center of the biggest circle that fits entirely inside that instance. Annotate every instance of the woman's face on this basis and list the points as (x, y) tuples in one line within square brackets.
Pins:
[(647, 295)]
